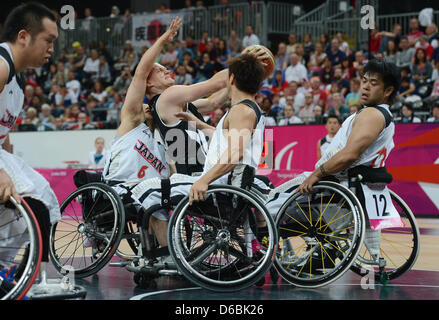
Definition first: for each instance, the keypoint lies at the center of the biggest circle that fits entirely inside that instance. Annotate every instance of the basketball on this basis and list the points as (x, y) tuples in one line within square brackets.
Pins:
[(269, 68)]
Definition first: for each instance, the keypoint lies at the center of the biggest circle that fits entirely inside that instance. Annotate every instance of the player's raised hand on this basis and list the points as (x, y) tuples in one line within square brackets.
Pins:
[(173, 29)]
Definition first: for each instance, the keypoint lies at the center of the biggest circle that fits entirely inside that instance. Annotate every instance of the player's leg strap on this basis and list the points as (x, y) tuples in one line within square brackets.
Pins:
[(166, 194), (83, 177), (374, 175)]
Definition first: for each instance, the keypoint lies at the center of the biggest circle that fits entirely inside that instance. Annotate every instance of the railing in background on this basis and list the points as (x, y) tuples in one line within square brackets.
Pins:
[(386, 22), (281, 17), (331, 9), (336, 16), (219, 20), (266, 18)]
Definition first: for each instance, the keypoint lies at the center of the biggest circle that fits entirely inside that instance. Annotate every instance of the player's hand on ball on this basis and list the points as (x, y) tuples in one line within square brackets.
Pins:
[(265, 57), (258, 52)]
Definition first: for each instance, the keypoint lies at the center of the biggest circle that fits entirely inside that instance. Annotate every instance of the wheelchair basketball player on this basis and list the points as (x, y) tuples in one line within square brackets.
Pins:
[(27, 41), (362, 144)]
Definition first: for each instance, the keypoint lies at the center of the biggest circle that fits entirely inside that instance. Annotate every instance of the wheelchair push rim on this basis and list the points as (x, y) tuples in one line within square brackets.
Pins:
[(218, 255), (85, 240), (320, 239), (30, 251)]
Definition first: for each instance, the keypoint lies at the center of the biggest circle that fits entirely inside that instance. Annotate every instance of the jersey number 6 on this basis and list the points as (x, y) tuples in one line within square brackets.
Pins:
[(141, 173)]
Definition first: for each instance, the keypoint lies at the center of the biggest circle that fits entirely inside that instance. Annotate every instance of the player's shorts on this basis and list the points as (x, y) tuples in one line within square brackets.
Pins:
[(29, 183)]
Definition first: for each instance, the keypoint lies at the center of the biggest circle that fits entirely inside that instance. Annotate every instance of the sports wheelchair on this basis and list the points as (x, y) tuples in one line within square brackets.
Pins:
[(21, 250), (326, 232), (224, 243)]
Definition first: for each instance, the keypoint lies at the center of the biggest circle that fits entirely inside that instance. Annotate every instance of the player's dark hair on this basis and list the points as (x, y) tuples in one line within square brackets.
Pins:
[(388, 72), (28, 16), (408, 106), (333, 116), (249, 73)]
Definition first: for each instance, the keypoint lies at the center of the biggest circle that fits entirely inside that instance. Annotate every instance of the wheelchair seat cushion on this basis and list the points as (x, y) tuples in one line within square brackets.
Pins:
[(83, 177), (372, 175)]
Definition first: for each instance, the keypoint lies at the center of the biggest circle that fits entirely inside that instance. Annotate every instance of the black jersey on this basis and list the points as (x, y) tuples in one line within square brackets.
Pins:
[(185, 144)]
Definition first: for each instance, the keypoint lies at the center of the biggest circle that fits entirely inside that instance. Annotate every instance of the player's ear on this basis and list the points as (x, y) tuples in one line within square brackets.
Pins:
[(232, 79), (388, 91), (148, 86), (23, 37)]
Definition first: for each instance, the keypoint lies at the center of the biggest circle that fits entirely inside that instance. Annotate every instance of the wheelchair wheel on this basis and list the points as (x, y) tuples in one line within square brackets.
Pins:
[(93, 220), (320, 235), (224, 243), (21, 247), (131, 238), (399, 247)]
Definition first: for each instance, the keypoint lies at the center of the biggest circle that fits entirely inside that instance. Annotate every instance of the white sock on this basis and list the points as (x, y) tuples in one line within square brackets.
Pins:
[(372, 241)]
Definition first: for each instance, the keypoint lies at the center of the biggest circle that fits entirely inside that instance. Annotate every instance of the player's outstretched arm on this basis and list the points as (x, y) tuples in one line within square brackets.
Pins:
[(132, 110), (213, 102), (199, 124), (242, 120), (365, 130), (176, 96)]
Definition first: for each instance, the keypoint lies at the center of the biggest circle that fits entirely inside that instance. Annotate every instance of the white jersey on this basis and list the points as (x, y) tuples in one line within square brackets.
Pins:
[(134, 157), (376, 154), (11, 99), (324, 143), (27, 182), (219, 144)]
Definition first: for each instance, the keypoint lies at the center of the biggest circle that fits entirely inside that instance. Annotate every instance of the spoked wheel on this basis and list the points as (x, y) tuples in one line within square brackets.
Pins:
[(93, 220), (399, 247), (320, 235), (20, 249), (225, 243), (131, 236)]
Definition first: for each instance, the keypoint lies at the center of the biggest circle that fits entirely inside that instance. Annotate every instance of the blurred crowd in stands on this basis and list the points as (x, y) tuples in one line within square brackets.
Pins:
[(85, 86)]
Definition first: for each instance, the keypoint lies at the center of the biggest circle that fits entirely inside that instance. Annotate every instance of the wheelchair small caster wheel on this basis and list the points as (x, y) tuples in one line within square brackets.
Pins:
[(260, 282), (384, 278), (274, 275), (143, 280)]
